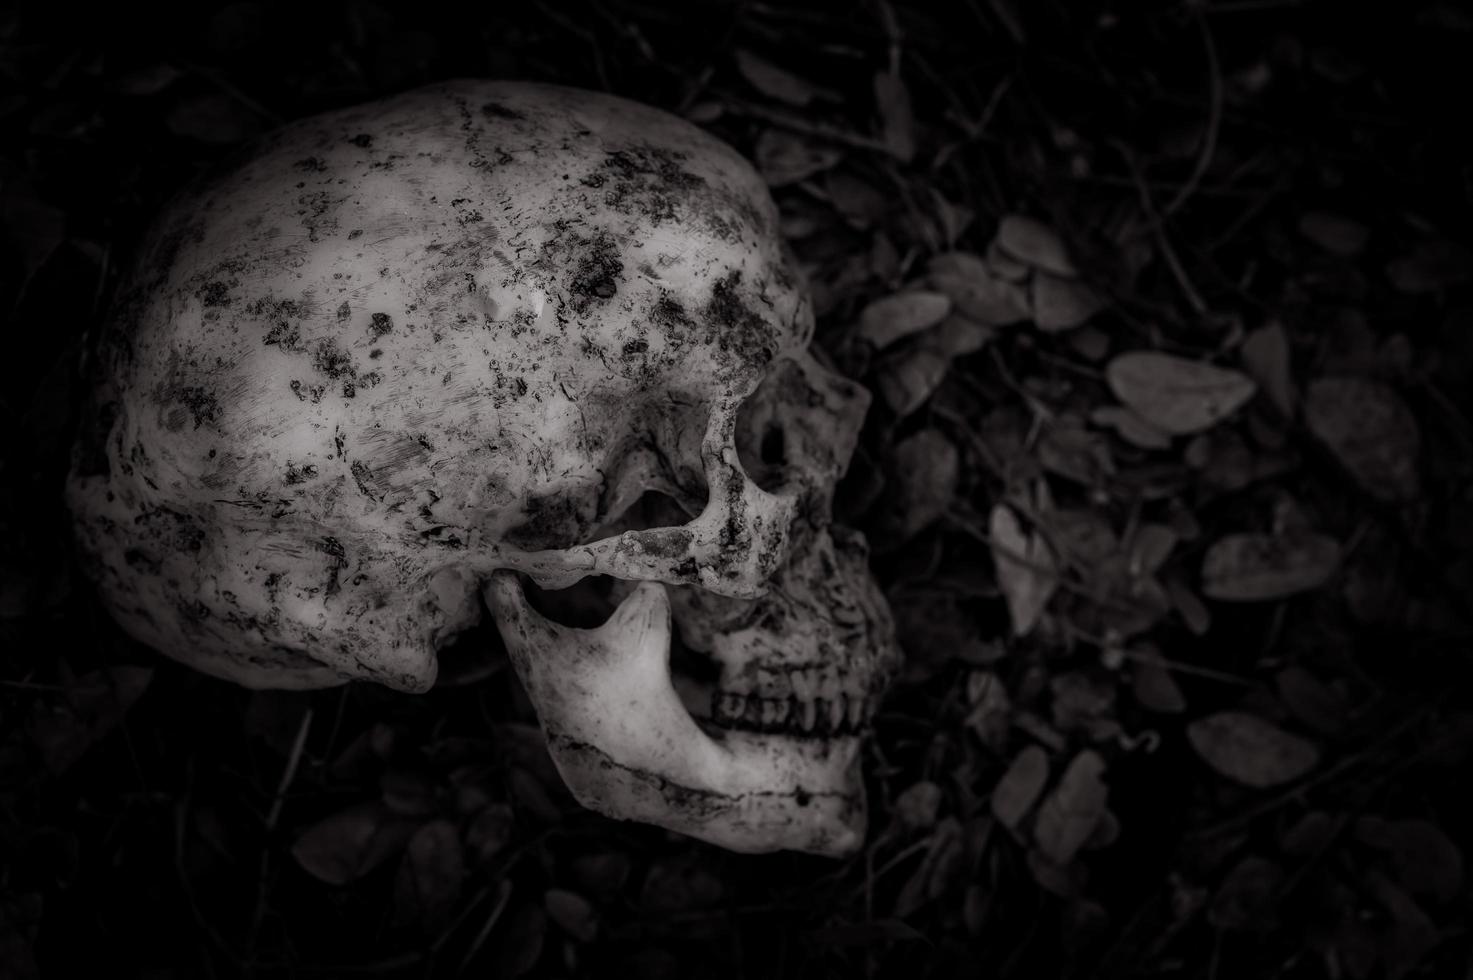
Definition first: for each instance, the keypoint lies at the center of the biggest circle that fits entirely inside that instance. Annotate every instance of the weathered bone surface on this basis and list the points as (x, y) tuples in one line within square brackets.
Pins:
[(410, 351)]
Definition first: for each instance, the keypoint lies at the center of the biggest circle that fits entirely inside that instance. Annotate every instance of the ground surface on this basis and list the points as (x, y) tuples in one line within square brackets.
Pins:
[(1188, 681)]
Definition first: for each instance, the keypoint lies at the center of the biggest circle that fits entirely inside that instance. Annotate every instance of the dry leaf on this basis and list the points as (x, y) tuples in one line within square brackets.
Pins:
[(91, 707), (1019, 788), (489, 833), (1411, 935), (918, 804), (1250, 750), (430, 876), (892, 318), (1025, 569), (975, 291), (938, 870), (1431, 267), (1334, 233), (907, 379), (1421, 855), (1004, 266), (897, 122), (1259, 567), (1370, 430), (1060, 304), (924, 470), (959, 335), (1266, 359), (1188, 606), (1248, 899), (1130, 427), (991, 715), (352, 842), (1154, 687), (786, 158), (572, 913), (1312, 703), (1069, 814), (1035, 244), (775, 82), (1174, 394)]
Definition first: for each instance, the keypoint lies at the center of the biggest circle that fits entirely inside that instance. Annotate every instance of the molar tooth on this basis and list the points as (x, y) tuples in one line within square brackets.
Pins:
[(774, 711), (753, 709), (728, 706)]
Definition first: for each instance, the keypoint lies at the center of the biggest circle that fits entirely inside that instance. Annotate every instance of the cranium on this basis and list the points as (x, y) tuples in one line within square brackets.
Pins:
[(402, 358)]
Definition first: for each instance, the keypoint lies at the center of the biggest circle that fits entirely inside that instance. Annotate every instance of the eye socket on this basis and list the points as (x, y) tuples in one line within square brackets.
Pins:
[(773, 443)]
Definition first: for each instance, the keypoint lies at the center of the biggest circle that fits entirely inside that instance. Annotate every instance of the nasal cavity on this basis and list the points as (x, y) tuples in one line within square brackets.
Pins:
[(761, 437)]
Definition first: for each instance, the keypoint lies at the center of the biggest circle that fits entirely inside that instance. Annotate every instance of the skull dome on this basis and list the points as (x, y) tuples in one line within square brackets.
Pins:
[(401, 362)]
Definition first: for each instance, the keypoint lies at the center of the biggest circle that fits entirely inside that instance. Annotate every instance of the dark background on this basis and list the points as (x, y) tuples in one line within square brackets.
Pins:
[(155, 823)]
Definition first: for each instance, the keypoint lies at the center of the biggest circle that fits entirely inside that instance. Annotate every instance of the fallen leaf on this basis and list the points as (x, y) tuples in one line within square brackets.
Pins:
[(785, 158), (1174, 394), (899, 315), (975, 291), (1420, 854), (1370, 430), (1019, 787), (941, 866), (1412, 934), (430, 876), (572, 913), (775, 82), (522, 937), (959, 335), (897, 122), (991, 714), (1153, 686), (1025, 569), (1069, 814), (1312, 702), (1334, 233), (909, 378), (918, 804), (1258, 567), (489, 833), (1188, 606), (1035, 244), (1431, 267), (1248, 898), (91, 707), (1310, 834), (1005, 266), (924, 469), (1266, 360), (1060, 304), (679, 884), (1130, 427), (1251, 750), (352, 842)]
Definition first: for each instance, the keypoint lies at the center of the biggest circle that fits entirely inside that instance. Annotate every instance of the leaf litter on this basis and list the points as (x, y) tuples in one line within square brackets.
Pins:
[(1098, 370)]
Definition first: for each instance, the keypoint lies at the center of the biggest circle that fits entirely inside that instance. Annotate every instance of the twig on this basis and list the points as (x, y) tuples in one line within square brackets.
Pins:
[(1158, 229), (1214, 122)]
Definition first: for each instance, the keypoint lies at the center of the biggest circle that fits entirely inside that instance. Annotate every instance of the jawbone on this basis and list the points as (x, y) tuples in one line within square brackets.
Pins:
[(627, 747)]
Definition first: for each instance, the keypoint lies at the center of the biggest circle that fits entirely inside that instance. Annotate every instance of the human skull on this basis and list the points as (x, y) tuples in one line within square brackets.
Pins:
[(403, 357)]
